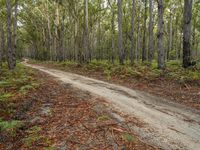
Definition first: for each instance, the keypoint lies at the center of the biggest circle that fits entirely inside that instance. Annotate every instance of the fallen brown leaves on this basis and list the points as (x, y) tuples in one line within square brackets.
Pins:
[(76, 124), (187, 94), (67, 118)]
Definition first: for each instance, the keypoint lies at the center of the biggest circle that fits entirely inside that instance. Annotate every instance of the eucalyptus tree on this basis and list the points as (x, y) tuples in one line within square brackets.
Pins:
[(10, 52), (144, 50), (132, 52), (2, 31), (112, 7), (83, 30), (86, 34), (151, 34), (120, 34), (2, 44), (187, 33), (161, 60), (196, 29), (15, 31)]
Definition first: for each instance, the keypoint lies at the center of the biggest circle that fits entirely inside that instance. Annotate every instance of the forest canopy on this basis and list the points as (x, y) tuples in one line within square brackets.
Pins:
[(124, 31)]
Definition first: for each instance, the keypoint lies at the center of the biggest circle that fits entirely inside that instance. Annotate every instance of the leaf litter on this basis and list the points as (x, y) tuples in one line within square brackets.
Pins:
[(68, 118)]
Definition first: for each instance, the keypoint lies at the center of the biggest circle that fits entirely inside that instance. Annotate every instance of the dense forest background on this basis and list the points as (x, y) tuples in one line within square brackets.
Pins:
[(124, 31)]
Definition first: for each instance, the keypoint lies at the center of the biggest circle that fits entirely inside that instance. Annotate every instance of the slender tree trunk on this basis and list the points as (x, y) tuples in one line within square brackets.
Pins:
[(170, 35), (120, 36), (99, 30), (132, 33), (15, 32), (75, 43), (86, 34), (161, 62), (62, 36), (176, 37), (187, 23), (113, 32), (49, 32), (196, 52), (194, 38), (10, 52), (113, 36), (138, 43), (151, 37), (138, 35), (2, 44), (144, 51)]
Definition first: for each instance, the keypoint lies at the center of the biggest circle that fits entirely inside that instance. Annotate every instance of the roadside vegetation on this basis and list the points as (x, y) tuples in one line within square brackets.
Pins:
[(140, 71), (173, 83), (14, 85)]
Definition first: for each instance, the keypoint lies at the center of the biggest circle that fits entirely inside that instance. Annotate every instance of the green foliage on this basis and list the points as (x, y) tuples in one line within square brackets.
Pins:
[(173, 71), (128, 138), (18, 80), (10, 126), (12, 85), (33, 135), (176, 72), (68, 63), (172, 54), (50, 148), (5, 96), (4, 84), (103, 118), (26, 88)]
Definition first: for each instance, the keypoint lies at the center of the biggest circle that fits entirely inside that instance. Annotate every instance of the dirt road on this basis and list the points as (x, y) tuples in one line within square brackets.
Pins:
[(167, 125)]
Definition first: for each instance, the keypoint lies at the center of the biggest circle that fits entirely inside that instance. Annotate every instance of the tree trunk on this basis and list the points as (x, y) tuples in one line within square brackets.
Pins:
[(151, 37), (132, 33), (99, 30), (10, 52), (15, 32), (62, 36), (187, 23), (2, 44), (49, 32), (120, 36), (113, 37), (170, 35), (194, 38), (138, 49), (144, 51), (161, 62), (86, 34)]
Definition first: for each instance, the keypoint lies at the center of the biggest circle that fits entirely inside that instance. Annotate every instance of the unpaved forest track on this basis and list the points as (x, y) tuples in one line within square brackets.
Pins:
[(167, 125)]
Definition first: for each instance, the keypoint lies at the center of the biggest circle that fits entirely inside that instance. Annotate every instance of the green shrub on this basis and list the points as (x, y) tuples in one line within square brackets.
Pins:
[(5, 96), (10, 126), (33, 135)]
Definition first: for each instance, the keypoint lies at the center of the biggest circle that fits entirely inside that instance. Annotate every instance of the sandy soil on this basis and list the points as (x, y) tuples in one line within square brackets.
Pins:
[(167, 125)]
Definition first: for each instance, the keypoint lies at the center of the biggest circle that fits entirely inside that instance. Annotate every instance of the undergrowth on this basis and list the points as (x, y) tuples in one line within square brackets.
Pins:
[(10, 126), (13, 84), (139, 71)]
